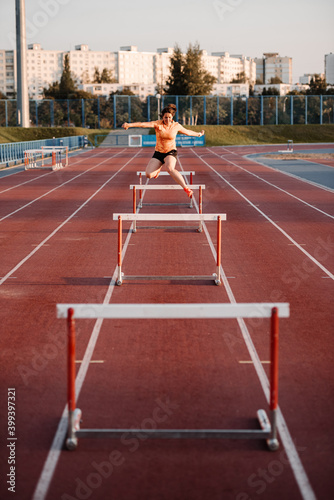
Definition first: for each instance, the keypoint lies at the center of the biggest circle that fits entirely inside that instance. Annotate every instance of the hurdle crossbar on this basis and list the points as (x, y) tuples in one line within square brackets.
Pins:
[(164, 173), (273, 311), (216, 277), (154, 187)]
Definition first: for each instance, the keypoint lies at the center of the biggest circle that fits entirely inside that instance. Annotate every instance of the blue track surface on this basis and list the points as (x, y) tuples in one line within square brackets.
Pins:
[(305, 169)]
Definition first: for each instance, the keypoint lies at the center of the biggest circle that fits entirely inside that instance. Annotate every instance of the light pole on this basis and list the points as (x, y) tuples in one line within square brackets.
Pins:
[(21, 57), (158, 96)]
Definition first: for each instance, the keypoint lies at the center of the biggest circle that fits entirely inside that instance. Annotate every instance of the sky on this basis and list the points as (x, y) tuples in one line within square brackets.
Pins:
[(301, 29)]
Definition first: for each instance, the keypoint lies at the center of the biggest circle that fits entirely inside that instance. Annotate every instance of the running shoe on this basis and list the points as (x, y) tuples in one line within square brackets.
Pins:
[(189, 192)]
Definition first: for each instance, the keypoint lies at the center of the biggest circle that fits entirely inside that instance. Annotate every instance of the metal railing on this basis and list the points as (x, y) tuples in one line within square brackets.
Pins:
[(104, 112)]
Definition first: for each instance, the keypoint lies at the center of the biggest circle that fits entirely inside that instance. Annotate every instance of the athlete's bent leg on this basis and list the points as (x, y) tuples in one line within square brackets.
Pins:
[(153, 168), (170, 163)]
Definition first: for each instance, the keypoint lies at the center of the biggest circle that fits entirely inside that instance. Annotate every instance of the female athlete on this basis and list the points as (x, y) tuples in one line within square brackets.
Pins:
[(165, 150)]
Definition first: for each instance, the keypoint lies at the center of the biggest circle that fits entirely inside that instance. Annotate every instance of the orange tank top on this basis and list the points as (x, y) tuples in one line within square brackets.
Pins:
[(165, 137)]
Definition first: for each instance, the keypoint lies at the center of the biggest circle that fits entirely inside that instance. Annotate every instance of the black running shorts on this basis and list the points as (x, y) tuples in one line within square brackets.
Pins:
[(161, 156)]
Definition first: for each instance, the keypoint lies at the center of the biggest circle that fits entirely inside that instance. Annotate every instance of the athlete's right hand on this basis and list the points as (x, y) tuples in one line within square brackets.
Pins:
[(125, 125)]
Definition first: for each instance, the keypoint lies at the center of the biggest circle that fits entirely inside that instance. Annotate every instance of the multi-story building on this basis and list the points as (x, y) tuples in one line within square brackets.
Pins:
[(43, 67), (272, 65), (8, 72), (128, 66), (84, 62), (329, 68), (307, 77), (231, 67)]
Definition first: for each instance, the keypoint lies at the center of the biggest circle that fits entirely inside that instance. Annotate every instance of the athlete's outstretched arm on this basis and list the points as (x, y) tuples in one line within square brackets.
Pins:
[(191, 133), (138, 124)]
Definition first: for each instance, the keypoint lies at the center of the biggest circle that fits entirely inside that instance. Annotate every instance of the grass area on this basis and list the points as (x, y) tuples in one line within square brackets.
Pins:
[(216, 135), (18, 134), (224, 135)]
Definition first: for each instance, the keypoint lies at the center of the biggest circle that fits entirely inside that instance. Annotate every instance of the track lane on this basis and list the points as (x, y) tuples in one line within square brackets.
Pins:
[(236, 248)]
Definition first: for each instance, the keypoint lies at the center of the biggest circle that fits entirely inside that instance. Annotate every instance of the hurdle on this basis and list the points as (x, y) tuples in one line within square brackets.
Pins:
[(289, 147), (46, 157), (164, 173), (61, 149), (273, 311), (154, 187), (216, 277)]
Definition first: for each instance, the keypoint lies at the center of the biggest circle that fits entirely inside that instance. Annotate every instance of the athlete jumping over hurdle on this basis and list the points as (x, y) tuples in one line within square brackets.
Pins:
[(165, 150)]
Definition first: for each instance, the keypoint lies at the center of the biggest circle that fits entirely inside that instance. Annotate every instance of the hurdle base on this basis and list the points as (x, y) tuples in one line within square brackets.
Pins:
[(214, 277), (266, 432), (74, 420)]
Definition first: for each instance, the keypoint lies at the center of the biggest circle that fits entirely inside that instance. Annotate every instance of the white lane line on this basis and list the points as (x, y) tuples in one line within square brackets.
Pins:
[(290, 448), (51, 461), (316, 262), (12, 271), (277, 187), (57, 187)]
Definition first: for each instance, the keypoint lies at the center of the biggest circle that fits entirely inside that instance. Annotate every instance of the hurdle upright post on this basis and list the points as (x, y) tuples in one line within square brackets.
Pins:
[(71, 374), (119, 279), (134, 208), (140, 191), (219, 248), (274, 329)]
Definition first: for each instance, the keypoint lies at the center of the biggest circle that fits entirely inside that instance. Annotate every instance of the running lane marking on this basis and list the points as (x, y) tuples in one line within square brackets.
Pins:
[(274, 185), (317, 263), (51, 461), (291, 451), (57, 187), (12, 271)]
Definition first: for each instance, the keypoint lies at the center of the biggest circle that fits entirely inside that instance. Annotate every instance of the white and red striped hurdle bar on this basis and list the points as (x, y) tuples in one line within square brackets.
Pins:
[(273, 311), (164, 173), (168, 218)]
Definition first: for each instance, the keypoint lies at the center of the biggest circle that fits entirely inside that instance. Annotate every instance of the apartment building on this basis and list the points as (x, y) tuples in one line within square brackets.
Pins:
[(272, 65), (233, 66), (128, 66), (83, 62), (43, 68), (8, 72)]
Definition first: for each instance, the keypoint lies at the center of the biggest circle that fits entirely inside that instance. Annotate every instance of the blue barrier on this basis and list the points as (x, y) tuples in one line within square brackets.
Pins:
[(14, 151), (181, 140)]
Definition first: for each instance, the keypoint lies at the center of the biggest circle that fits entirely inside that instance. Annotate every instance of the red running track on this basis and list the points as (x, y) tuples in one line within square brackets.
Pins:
[(59, 245)]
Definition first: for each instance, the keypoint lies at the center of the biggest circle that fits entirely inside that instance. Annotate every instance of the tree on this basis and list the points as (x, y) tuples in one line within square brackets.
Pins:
[(240, 78), (67, 84), (317, 86), (270, 91), (187, 76), (106, 76), (97, 76), (275, 79), (175, 83), (66, 88)]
